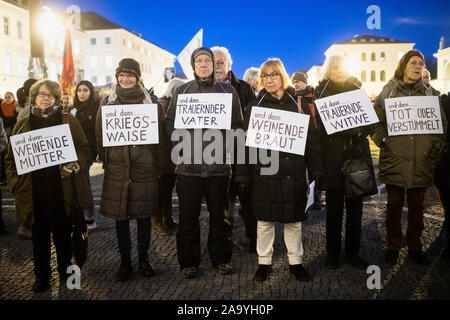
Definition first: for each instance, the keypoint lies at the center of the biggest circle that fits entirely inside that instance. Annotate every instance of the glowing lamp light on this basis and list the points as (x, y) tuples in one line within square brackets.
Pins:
[(50, 26), (351, 66)]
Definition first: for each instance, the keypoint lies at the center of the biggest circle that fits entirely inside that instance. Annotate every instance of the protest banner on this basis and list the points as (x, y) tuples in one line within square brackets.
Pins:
[(43, 148), (277, 130), (413, 115), (203, 111), (131, 124), (346, 110)]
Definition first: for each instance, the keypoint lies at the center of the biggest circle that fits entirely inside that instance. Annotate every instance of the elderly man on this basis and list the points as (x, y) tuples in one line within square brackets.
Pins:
[(426, 77), (251, 76), (223, 62), (195, 180)]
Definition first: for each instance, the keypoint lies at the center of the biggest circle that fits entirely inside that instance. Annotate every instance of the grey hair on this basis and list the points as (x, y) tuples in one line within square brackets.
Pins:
[(251, 73), (172, 86), (224, 51)]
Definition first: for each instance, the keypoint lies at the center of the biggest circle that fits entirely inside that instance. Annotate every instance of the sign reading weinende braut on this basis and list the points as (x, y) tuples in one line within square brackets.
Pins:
[(131, 124), (43, 148), (203, 111), (413, 115), (346, 110), (277, 130)]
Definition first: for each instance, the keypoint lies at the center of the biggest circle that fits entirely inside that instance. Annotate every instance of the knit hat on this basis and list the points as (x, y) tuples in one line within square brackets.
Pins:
[(199, 51), (300, 76), (398, 74), (412, 53), (129, 65)]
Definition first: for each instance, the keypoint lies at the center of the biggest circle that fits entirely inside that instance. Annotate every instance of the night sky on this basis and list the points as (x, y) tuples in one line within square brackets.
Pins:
[(297, 32)]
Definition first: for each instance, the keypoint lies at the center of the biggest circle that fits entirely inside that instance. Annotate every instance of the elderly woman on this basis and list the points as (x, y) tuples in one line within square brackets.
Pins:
[(336, 148), (130, 185), (280, 197), (407, 162), (50, 194)]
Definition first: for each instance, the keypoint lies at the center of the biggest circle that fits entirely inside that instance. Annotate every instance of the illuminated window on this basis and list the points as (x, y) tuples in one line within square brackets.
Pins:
[(373, 56), (372, 76), (363, 56), (383, 75), (363, 76), (382, 56), (6, 26)]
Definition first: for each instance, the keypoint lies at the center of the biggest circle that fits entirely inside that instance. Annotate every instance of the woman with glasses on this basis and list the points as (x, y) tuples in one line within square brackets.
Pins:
[(50, 194), (280, 197)]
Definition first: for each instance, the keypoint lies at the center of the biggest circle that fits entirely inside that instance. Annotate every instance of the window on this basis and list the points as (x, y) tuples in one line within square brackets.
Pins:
[(372, 76), (108, 61), (399, 55), (383, 75), (93, 41), (372, 56), (6, 26), (21, 66), (149, 53), (124, 42), (142, 50), (363, 56), (7, 64), (129, 44), (19, 29), (94, 80), (108, 40), (108, 79), (94, 61), (382, 56), (363, 76)]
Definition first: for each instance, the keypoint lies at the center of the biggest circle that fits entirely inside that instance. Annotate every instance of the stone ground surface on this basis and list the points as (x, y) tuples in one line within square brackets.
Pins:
[(404, 281)]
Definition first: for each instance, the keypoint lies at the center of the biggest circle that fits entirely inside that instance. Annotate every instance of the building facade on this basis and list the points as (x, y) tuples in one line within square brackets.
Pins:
[(442, 83)]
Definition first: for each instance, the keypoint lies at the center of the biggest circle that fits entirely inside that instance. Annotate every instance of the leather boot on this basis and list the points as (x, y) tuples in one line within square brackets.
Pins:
[(125, 268), (145, 267), (158, 226), (168, 220)]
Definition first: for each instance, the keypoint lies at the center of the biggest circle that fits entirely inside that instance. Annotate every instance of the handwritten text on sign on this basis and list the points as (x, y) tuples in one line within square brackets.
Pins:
[(346, 110), (413, 115), (203, 111), (43, 148), (130, 124), (277, 130)]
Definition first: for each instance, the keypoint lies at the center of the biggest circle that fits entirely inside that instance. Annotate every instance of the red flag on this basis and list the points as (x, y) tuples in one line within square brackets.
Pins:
[(68, 73)]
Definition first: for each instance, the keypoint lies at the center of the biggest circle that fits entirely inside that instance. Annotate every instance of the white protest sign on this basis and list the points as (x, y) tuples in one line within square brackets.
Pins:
[(130, 124), (277, 130), (413, 115), (346, 110), (204, 111), (43, 148)]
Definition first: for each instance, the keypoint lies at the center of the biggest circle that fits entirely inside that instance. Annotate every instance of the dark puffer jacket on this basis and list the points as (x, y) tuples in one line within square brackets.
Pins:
[(243, 89), (337, 147), (282, 197)]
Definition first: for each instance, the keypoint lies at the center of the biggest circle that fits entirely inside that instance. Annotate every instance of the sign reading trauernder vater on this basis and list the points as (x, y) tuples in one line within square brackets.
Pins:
[(346, 110), (43, 148), (130, 124), (203, 111), (413, 115), (277, 130)]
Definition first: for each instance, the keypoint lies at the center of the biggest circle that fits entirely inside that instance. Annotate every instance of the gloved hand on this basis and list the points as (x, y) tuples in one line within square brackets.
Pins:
[(68, 168)]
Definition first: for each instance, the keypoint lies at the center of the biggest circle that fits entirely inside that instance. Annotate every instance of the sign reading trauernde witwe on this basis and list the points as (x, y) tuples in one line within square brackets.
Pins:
[(130, 124), (413, 115), (277, 130), (346, 110), (203, 111), (43, 148)]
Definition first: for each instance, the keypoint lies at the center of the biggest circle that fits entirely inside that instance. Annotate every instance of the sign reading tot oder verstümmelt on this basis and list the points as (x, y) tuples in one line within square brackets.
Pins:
[(43, 148), (131, 124)]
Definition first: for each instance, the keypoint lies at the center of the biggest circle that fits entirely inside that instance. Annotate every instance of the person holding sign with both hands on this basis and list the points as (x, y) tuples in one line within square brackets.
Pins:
[(50, 193), (407, 160)]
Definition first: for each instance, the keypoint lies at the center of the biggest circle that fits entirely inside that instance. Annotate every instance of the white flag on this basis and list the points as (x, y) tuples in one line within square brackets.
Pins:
[(184, 58)]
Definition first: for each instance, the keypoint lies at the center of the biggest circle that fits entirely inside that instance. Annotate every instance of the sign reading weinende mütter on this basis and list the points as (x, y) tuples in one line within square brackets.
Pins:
[(203, 111), (346, 110), (131, 124), (43, 148), (277, 130), (413, 115)]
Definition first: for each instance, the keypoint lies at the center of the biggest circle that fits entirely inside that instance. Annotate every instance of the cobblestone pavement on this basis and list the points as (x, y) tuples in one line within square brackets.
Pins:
[(404, 281)]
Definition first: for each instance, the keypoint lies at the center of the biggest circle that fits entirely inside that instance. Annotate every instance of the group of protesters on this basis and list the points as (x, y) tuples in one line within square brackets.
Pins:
[(139, 178)]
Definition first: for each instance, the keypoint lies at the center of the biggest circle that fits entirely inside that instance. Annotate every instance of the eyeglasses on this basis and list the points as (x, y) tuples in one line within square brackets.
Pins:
[(43, 95), (273, 75)]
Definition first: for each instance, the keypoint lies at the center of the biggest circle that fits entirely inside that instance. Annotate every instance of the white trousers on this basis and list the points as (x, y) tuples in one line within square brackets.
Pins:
[(292, 239)]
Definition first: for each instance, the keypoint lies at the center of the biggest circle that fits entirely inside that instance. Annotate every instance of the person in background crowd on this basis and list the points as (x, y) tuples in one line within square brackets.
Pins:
[(9, 115), (24, 99), (305, 92), (407, 162), (51, 193), (426, 77), (197, 180), (163, 222), (251, 76), (336, 148), (130, 185), (66, 102), (281, 197), (223, 73), (3, 144), (86, 105)]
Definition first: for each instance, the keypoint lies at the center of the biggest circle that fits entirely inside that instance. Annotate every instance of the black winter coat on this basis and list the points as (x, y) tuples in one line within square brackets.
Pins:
[(337, 147), (282, 197), (243, 89), (86, 115)]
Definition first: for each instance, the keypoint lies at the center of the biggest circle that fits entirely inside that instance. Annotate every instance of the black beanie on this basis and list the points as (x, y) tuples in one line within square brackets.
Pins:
[(129, 65), (199, 51)]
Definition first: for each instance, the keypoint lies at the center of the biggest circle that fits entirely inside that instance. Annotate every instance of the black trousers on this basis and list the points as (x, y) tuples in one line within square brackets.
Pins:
[(2, 224), (190, 191), (250, 222), (60, 229), (445, 199), (124, 237), (335, 200)]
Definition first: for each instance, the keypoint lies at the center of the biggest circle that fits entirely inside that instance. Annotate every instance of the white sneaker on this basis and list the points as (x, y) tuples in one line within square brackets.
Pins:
[(91, 226)]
